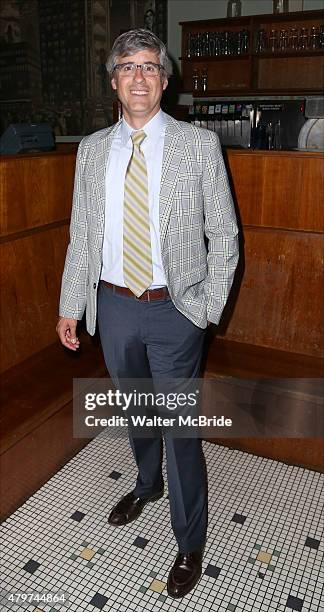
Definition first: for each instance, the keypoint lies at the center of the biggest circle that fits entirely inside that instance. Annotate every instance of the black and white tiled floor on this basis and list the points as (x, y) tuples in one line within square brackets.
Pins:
[(264, 551)]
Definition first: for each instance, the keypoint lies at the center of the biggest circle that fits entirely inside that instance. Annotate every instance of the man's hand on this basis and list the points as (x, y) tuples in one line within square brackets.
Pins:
[(66, 329)]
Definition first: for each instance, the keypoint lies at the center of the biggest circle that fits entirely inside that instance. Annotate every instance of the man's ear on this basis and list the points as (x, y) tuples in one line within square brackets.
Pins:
[(113, 83), (165, 84)]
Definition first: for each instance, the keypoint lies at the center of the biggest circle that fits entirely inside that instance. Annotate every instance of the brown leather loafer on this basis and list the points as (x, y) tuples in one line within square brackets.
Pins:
[(184, 574), (129, 508)]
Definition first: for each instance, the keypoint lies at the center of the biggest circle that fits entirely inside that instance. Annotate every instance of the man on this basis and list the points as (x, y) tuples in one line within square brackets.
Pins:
[(147, 192)]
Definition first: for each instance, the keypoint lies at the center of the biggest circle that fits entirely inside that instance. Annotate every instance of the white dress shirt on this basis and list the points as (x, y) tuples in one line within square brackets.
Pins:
[(120, 153)]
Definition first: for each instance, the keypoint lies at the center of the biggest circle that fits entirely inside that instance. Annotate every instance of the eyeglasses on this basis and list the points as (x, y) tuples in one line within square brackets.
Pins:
[(129, 68)]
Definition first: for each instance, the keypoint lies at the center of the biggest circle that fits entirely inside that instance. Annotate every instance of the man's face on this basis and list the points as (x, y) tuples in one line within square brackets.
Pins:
[(139, 94)]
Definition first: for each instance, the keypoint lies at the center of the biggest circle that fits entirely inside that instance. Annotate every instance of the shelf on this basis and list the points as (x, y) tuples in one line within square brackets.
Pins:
[(208, 58), (265, 55), (299, 72), (283, 54), (249, 92)]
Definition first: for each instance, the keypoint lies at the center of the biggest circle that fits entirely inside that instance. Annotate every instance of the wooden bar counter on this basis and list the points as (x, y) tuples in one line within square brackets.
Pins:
[(36, 413), (273, 323), (279, 200)]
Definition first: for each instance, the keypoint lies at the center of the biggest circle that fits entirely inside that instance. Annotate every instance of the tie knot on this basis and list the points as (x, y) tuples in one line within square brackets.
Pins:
[(138, 137)]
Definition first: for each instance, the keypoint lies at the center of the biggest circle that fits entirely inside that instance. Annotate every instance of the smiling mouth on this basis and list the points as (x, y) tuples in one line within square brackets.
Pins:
[(139, 92)]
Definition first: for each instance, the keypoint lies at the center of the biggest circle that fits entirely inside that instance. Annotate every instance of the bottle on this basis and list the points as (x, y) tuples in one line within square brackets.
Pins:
[(189, 45), (280, 6), (204, 79), (321, 37), (195, 79), (234, 8)]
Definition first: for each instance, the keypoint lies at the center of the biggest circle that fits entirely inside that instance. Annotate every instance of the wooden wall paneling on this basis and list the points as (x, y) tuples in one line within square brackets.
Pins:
[(280, 301), (298, 74), (31, 269), (306, 452), (283, 190), (27, 465), (35, 191)]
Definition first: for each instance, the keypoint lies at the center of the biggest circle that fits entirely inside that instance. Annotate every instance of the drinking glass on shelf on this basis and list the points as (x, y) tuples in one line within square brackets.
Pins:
[(239, 43), (273, 41), (245, 41), (261, 41), (226, 49), (211, 43), (283, 40), (314, 38), (303, 39), (218, 43), (206, 43), (293, 39), (198, 45), (321, 37)]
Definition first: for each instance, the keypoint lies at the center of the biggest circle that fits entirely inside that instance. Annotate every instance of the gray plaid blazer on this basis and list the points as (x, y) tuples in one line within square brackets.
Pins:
[(195, 204)]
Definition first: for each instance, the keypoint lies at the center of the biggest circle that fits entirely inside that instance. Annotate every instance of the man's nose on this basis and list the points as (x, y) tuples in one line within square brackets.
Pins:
[(138, 75)]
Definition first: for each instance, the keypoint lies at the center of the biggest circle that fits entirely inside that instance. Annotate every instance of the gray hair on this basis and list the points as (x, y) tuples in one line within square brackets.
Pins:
[(129, 43)]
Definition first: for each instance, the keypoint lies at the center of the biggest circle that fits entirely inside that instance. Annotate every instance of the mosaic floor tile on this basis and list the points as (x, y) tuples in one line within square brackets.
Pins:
[(31, 566), (87, 554), (264, 557), (295, 603), (77, 516), (114, 475), (212, 570), (256, 507), (162, 598), (99, 601), (157, 585), (140, 542), (238, 518), (312, 543)]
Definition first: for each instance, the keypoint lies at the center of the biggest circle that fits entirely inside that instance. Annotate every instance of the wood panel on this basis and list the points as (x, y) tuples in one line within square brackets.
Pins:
[(35, 190), (25, 467), (228, 75), (31, 270), (279, 190), (290, 73), (307, 453), (280, 301)]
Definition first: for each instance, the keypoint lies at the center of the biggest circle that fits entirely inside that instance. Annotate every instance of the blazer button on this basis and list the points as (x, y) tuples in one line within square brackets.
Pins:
[(94, 285)]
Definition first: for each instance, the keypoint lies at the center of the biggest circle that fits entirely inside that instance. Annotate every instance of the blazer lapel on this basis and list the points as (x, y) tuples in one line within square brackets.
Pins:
[(173, 149), (100, 165)]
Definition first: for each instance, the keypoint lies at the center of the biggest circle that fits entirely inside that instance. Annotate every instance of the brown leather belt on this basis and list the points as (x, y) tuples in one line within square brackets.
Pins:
[(148, 296)]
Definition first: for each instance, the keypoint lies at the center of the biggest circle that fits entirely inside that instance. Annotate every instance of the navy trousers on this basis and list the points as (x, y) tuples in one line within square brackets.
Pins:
[(153, 340)]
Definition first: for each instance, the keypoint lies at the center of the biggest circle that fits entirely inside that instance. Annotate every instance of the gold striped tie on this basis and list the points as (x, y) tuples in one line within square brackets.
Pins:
[(137, 256)]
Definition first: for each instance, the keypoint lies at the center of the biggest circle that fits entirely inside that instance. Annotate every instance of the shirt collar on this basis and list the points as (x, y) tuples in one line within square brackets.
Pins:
[(152, 128)]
